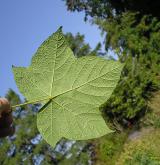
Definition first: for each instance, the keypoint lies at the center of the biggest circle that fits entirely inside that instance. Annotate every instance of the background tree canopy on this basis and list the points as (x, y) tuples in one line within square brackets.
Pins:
[(110, 8)]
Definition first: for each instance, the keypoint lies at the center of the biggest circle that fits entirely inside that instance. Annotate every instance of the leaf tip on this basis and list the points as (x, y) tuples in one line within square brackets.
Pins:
[(59, 31), (60, 28)]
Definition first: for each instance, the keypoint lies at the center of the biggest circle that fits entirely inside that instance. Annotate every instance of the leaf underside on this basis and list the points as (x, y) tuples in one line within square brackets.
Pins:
[(77, 87)]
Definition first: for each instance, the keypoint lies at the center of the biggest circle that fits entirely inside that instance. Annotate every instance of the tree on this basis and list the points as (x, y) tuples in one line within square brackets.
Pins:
[(141, 55), (111, 8), (79, 47)]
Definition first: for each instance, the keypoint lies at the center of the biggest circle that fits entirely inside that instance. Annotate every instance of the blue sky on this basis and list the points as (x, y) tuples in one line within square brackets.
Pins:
[(25, 24)]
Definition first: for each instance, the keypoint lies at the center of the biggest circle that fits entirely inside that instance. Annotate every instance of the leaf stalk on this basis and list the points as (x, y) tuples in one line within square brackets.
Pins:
[(31, 102)]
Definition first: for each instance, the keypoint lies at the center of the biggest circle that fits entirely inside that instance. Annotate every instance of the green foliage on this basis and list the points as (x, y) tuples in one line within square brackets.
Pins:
[(109, 8), (142, 159), (152, 118), (109, 147), (143, 150), (12, 97), (79, 47), (74, 87), (77, 157), (77, 44), (137, 43)]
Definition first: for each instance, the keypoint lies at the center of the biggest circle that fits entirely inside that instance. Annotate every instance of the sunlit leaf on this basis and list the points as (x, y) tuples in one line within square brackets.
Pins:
[(76, 88)]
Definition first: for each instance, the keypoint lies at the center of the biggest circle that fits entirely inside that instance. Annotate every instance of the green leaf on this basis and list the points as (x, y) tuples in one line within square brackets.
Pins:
[(76, 88)]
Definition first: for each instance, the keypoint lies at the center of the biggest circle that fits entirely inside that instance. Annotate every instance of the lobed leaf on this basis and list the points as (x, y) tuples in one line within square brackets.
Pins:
[(76, 88)]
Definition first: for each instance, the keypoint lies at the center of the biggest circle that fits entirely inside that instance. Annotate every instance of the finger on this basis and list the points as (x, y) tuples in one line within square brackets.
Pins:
[(4, 106), (6, 120), (7, 131)]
